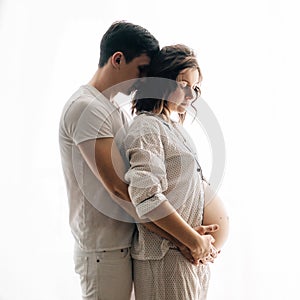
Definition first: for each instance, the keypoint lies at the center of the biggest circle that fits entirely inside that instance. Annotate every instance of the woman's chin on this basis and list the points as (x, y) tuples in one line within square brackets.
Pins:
[(182, 109)]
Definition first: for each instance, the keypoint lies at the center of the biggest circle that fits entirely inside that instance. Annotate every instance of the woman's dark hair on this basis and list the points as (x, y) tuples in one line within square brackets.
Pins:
[(130, 39), (170, 61)]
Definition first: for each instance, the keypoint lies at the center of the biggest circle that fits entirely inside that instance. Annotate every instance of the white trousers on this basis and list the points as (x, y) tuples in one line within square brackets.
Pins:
[(105, 275)]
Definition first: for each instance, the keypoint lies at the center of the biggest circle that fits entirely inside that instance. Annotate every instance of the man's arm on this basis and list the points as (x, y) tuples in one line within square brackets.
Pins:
[(104, 159), (106, 163)]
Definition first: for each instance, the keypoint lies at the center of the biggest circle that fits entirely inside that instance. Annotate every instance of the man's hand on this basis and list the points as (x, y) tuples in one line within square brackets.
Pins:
[(207, 229), (186, 252), (202, 230)]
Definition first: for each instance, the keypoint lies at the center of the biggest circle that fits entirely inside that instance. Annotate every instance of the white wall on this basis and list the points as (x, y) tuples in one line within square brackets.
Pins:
[(249, 55)]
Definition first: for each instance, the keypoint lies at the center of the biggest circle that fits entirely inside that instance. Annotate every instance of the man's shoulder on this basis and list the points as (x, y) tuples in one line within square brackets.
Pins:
[(81, 96), (84, 100)]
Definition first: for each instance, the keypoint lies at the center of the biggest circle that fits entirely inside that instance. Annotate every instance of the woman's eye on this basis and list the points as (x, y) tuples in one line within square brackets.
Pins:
[(183, 84)]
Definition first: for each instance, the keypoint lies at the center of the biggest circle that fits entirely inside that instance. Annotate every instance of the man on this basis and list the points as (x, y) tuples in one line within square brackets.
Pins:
[(89, 124)]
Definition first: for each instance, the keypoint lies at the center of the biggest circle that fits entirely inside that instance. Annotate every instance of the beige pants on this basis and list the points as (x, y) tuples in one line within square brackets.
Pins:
[(105, 275)]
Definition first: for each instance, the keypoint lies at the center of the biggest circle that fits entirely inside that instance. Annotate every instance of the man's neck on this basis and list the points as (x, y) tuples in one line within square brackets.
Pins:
[(101, 81)]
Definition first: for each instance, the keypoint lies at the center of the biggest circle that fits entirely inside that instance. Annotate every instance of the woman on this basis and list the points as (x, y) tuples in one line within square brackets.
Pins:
[(166, 183)]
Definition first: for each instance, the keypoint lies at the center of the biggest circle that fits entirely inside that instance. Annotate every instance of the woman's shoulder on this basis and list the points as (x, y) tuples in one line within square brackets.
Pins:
[(148, 122)]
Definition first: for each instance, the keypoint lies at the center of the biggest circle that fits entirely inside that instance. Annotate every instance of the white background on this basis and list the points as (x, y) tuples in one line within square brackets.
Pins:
[(249, 55)]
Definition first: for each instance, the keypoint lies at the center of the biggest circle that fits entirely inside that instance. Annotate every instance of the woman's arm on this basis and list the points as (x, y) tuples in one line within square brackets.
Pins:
[(215, 213), (166, 217)]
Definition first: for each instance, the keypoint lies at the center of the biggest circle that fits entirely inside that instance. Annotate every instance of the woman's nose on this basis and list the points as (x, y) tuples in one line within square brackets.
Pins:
[(189, 95)]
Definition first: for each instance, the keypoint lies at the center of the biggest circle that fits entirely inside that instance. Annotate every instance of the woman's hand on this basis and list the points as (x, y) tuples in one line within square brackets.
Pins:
[(203, 249), (207, 229)]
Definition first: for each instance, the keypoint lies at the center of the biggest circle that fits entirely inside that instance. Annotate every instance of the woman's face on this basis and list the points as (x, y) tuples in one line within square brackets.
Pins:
[(188, 83)]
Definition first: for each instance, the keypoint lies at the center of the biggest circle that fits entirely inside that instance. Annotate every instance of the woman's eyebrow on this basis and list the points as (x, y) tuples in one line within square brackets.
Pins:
[(195, 84)]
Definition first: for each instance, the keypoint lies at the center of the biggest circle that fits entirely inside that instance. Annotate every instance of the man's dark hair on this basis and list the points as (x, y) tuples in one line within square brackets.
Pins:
[(132, 40)]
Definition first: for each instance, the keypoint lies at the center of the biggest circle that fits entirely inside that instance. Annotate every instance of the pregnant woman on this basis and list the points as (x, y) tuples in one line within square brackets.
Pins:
[(166, 184)]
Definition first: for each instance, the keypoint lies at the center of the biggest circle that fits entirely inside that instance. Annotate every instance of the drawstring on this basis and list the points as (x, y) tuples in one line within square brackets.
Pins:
[(184, 142)]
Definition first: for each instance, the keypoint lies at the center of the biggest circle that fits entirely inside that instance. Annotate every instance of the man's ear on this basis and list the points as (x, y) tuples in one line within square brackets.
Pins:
[(116, 59)]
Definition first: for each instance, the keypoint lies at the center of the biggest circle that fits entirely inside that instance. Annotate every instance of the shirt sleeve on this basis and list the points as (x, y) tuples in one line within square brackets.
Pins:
[(87, 119), (146, 176)]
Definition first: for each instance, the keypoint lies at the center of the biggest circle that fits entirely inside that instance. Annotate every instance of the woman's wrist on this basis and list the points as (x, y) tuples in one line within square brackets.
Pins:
[(194, 240)]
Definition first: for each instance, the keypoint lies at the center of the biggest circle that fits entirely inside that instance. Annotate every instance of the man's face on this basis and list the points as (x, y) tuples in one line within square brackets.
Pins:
[(134, 70)]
